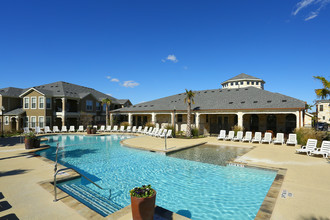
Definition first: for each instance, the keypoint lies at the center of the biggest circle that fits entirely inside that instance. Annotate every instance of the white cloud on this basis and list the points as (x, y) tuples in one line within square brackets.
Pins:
[(170, 57), (108, 77), (114, 80), (130, 84), (316, 4)]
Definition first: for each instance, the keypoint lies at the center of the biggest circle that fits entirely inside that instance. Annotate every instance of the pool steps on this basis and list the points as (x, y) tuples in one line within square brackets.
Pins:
[(91, 199)]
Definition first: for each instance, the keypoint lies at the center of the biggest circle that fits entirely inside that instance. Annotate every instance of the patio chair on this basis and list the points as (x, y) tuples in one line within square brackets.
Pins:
[(267, 138), (257, 137), (159, 132), (239, 136), (108, 129), (149, 131), (168, 134), (55, 129), (71, 129), (80, 128), (145, 130), (134, 129), (38, 130), (222, 135), (122, 129), (64, 129), (292, 139), (230, 136), (129, 129), (115, 128), (279, 139), (26, 130), (324, 150), (47, 130), (154, 131), (247, 137), (95, 126), (162, 133), (139, 130), (102, 128), (310, 147)]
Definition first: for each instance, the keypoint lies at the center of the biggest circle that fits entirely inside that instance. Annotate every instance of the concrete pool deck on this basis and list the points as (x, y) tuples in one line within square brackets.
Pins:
[(307, 178)]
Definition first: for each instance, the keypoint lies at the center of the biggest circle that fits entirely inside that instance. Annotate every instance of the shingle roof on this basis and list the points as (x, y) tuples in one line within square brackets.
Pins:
[(11, 92), (17, 111), (242, 76), (221, 99), (122, 101)]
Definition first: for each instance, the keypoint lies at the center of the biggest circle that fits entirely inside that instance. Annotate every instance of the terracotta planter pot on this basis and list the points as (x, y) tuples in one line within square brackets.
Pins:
[(91, 130), (31, 143), (88, 130), (143, 208)]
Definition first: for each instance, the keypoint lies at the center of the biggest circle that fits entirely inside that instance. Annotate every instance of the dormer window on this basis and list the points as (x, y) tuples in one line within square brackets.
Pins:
[(248, 82)]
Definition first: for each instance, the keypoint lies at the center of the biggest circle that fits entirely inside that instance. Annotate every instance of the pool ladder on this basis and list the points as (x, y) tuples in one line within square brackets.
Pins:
[(60, 170)]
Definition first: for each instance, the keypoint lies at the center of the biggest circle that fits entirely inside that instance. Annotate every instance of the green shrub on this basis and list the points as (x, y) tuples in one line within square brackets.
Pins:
[(149, 124), (125, 124), (237, 128), (169, 127), (303, 134), (194, 132)]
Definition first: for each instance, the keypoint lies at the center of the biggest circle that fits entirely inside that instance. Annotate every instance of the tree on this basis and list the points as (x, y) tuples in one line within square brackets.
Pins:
[(189, 99), (325, 91), (308, 106), (107, 103)]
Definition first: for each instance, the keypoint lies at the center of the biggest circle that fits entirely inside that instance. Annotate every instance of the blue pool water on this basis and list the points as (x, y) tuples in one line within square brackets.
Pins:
[(194, 189)]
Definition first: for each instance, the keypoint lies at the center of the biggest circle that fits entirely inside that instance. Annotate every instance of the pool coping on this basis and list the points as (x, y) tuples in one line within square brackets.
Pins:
[(265, 211)]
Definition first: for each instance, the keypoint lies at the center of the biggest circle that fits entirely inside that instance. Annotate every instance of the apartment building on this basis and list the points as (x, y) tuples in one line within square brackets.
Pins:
[(59, 103)]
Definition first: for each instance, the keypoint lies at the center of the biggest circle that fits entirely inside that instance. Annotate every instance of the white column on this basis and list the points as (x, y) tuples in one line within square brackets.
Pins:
[(172, 118), (130, 118), (111, 122), (240, 119), (297, 119), (301, 119), (197, 122), (63, 111), (153, 118)]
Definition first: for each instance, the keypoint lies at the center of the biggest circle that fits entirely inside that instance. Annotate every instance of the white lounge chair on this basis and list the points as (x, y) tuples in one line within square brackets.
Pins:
[(222, 135), (239, 136), (168, 134), (159, 132), (134, 129), (38, 130), (257, 137), (47, 130), (80, 128), (145, 130), (292, 139), (310, 147), (279, 139), (230, 136), (115, 128), (26, 130), (139, 130), (154, 131), (149, 130), (129, 129), (55, 129), (247, 137), (122, 129), (95, 126), (267, 138), (102, 128), (324, 150), (72, 129), (163, 133), (64, 129), (108, 129)]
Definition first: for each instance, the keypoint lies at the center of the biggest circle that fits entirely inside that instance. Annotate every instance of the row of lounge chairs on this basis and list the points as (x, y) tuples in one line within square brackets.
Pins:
[(311, 149), (257, 137)]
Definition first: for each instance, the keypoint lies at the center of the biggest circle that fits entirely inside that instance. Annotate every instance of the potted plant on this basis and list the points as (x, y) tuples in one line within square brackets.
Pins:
[(91, 130), (31, 141), (143, 201)]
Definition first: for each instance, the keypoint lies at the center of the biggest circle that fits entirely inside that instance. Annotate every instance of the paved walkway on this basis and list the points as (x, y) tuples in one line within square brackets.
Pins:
[(307, 178)]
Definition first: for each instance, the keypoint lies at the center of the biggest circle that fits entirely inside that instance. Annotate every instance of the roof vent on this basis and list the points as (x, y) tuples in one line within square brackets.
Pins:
[(269, 101), (230, 102), (246, 89), (242, 102), (58, 91), (284, 100), (220, 90), (140, 105), (205, 92), (228, 90), (146, 106), (237, 89), (134, 106), (255, 101), (212, 91), (151, 105)]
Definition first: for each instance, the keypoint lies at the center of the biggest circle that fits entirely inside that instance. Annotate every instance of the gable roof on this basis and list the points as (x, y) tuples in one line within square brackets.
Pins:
[(243, 76), (17, 111), (11, 92), (221, 99)]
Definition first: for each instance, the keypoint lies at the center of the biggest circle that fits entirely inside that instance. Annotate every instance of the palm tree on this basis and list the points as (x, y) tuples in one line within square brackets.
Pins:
[(189, 99), (325, 91), (107, 102)]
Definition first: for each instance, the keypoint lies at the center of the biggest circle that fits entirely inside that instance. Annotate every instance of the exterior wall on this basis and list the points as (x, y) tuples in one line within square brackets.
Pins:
[(37, 112), (9, 103), (243, 84), (308, 120), (324, 116)]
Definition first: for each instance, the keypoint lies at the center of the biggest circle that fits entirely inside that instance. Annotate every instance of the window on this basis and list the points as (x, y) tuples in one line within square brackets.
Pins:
[(89, 105), (180, 118), (33, 121), (48, 103), (252, 83), (26, 102), (207, 118), (236, 83), (48, 118), (41, 102), (232, 84), (323, 117), (6, 120), (41, 121), (257, 83), (242, 83), (98, 106), (104, 107), (33, 102), (248, 82), (26, 122), (321, 108)]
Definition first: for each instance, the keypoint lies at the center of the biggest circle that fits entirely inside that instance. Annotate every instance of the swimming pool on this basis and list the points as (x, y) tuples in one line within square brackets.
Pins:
[(194, 189)]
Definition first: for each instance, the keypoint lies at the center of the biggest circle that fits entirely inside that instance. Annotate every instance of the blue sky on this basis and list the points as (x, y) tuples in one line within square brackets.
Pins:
[(144, 50)]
